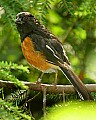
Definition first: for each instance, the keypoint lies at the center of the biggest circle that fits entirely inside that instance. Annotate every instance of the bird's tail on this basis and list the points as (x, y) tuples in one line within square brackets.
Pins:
[(77, 83)]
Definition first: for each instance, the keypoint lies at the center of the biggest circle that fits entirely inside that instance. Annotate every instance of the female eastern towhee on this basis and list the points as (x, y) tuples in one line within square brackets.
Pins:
[(45, 52)]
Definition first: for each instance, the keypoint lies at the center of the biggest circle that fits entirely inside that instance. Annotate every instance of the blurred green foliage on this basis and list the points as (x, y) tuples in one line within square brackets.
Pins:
[(9, 112), (73, 22), (73, 110), (9, 71)]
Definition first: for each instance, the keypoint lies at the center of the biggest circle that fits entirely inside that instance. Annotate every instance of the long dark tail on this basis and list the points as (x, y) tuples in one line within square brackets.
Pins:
[(77, 83)]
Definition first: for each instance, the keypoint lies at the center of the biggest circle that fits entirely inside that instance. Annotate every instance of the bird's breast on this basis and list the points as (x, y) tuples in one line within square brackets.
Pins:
[(36, 58)]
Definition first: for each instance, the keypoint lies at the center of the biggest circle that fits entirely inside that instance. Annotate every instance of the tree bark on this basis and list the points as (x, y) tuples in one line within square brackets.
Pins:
[(49, 87)]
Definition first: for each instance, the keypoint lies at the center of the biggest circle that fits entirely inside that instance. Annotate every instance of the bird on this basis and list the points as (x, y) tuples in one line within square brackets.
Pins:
[(45, 52)]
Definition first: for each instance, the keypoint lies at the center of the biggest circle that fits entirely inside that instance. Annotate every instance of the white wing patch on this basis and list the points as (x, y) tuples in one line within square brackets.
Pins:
[(63, 50), (48, 47), (64, 53)]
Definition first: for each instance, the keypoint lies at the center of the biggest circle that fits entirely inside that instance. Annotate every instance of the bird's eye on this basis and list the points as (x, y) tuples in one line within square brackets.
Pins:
[(31, 15), (24, 18)]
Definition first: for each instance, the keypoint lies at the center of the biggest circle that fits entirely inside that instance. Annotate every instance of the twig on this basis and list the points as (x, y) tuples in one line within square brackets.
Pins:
[(68, 31), (49, 87), (44, 102), (63, 96), (32, 98)]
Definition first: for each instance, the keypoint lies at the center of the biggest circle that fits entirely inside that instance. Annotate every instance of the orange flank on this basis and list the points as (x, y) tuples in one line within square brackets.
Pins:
[(35, 58)]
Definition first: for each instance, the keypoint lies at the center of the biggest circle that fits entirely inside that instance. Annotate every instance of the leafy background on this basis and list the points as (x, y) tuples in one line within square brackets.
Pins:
[(73, 22)]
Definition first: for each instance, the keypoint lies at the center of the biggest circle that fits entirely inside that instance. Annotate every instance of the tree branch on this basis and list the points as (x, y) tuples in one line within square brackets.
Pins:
[(49, 87)]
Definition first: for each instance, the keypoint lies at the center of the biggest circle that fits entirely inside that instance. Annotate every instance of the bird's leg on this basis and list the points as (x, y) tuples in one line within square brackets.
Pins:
[(56, 75), (40, 78)]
